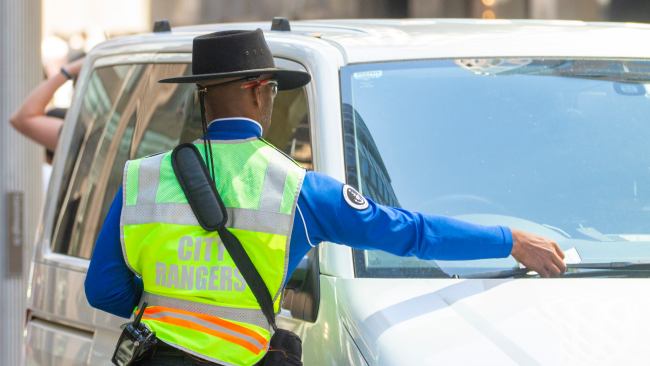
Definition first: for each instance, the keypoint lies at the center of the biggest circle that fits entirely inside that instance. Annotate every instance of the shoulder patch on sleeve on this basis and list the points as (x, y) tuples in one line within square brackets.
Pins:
[(354, 198)]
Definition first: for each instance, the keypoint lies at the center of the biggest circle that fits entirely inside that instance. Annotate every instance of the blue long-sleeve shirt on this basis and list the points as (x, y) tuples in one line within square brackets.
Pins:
[(323, 214)]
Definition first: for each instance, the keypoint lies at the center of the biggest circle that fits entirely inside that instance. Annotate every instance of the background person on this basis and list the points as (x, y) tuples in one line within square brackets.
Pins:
[(33, 120)]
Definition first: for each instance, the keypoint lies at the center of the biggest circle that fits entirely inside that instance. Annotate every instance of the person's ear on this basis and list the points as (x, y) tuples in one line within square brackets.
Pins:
[(257, 96)]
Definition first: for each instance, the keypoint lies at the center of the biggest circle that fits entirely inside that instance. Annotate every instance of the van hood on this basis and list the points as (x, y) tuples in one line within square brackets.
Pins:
[(496, 321)]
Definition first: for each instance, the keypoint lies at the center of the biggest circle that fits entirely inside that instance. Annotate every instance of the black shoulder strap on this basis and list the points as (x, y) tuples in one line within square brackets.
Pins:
[(192, 175), (194, 178), (248, 270)]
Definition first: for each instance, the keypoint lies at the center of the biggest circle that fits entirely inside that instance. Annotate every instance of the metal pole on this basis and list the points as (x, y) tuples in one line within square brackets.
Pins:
[(20, 169)]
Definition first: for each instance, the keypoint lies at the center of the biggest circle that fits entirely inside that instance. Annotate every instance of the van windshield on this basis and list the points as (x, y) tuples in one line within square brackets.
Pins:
[(559, 147)]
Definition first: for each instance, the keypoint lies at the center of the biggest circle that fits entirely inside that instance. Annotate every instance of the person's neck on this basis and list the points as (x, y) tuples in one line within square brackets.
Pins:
[(212, 117)]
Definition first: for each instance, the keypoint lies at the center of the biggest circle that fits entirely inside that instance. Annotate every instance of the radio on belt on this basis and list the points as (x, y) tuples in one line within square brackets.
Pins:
[(135, 341)]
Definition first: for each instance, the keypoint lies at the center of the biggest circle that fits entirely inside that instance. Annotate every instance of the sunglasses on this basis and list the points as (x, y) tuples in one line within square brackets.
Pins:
[(258, 83)]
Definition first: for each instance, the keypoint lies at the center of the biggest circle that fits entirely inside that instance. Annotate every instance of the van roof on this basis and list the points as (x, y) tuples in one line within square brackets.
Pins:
[(368, 40)]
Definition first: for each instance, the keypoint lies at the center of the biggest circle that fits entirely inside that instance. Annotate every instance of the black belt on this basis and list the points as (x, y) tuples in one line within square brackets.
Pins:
[(163, 350)]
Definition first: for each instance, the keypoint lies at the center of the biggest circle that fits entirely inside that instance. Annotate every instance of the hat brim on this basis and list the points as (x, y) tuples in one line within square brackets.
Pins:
[(287, 79)]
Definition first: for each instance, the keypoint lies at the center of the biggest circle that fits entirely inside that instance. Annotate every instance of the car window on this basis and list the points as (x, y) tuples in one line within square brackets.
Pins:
[(104, 127), (168, 112), (290, 126), (171, 115), (150, 117)]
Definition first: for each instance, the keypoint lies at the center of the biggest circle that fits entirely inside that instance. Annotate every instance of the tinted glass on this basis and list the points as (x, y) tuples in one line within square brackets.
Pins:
[(168, 113), (290, 126), (105, 124), (556, 147), (127, 114)]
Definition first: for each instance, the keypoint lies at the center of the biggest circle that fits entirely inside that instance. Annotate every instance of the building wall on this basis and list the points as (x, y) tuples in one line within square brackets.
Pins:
[(440, 8), (629, 10), (590, 10), (68, 17), (214, 11), (511, 9)]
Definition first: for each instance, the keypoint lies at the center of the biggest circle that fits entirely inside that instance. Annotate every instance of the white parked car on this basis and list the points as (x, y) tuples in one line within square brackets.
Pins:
[(538, 125)]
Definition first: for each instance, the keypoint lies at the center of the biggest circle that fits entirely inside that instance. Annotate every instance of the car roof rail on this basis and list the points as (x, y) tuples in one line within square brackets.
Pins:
[(162, 25), (280, 24)]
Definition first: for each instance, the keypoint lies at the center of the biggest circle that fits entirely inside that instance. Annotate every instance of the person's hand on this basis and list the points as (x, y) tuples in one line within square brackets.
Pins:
[(75, 67), (538, 254)]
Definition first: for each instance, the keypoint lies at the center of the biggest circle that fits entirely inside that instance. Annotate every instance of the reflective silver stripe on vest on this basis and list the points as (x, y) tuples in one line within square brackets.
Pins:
[(250, 316), (273, 186), (181, 214), (208, 325), (149, 179)]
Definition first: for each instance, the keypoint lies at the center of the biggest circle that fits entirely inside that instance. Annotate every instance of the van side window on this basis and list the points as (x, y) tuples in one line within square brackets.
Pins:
[(156, 116), (103, 131), (168, 112), (290, 126), (171, 115), (163, 110)]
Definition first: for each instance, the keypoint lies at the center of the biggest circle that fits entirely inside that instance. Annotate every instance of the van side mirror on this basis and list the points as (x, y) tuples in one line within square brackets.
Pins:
[(299, 274), (302, 292)]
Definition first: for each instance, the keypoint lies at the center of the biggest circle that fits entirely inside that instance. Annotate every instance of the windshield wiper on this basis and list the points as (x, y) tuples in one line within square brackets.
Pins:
[(506, 273), (638, 265), (523, 272)]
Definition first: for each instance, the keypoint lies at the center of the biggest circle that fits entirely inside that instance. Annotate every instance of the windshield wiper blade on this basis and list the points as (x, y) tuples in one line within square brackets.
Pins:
[(506, 273), (639, 265), (523, 272)]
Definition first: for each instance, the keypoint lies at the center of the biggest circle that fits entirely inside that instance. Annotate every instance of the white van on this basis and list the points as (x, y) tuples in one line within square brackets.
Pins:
[(539, 125)]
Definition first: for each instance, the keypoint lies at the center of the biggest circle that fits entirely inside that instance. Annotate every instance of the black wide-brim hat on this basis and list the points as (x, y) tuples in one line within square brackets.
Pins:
[(237, 53)]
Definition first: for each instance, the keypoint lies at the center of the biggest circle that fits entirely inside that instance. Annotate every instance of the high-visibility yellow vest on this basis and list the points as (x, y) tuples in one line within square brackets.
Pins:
[(197, 299)]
